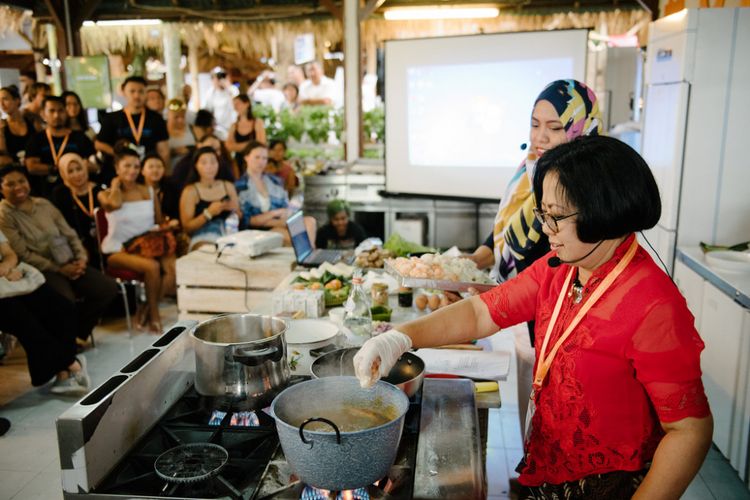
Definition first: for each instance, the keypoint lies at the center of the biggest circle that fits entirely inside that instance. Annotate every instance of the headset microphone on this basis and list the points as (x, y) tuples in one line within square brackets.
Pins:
[(524, 146), (556, 261)]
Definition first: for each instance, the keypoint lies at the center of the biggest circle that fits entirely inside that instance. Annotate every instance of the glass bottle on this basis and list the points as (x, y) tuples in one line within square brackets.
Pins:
[(357, 315)]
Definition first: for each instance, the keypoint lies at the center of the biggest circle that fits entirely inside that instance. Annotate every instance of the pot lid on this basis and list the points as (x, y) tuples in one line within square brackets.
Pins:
[(307, 331)]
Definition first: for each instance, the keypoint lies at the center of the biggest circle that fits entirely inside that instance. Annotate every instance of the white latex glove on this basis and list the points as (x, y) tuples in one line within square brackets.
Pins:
[(378, 355)]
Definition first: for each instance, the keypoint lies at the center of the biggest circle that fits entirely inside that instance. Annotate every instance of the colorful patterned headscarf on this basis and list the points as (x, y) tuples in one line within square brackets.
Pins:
[(516, 230)]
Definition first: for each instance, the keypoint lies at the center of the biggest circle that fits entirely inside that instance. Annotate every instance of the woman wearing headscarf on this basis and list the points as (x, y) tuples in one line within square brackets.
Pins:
[(564, 110)]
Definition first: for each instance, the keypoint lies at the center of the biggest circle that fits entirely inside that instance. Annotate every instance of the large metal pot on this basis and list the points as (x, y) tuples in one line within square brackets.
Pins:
[(342, 452), (240, 360), (407, 374)]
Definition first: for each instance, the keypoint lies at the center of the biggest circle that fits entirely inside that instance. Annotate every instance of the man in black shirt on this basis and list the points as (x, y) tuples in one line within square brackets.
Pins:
[(45, 148), (142, 127)]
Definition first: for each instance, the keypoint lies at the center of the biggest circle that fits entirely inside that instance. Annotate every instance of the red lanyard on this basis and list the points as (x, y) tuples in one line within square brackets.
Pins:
[(545, 361), (137, 133), (56, 154)]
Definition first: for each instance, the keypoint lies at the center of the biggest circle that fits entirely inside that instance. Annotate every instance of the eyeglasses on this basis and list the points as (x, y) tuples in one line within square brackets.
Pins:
[(550, 220)]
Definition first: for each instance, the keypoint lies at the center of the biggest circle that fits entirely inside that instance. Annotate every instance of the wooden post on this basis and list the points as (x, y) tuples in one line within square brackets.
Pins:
[(52, 46), (193, 67), (172, 60)]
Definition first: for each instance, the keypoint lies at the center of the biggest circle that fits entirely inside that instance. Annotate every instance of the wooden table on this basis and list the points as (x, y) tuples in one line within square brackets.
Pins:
[(209, 284)]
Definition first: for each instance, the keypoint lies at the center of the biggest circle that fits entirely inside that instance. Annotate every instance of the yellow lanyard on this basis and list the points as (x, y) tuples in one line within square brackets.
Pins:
[(57, 153), (544, 362), (137, 133)]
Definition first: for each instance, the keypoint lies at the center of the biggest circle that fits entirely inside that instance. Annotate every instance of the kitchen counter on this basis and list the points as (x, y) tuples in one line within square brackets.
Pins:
[(736, 285)]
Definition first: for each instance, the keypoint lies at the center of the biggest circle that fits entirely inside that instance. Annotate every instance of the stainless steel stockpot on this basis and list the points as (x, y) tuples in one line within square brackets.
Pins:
[(240, 360)]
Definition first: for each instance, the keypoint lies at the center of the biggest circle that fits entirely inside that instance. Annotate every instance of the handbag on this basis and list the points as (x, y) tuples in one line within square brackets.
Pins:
[(59, 247), (31, 280), (152, 244)]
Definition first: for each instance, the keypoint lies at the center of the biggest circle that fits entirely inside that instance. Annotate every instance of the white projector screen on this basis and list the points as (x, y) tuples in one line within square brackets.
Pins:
[(459, 108)]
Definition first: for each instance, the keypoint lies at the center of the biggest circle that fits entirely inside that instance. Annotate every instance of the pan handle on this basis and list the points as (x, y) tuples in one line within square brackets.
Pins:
[(318, 419), (254, 357)]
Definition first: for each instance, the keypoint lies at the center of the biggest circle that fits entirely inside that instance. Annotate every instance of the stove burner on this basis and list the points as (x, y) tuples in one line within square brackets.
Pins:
[(238, 419), (191, 463), (312, 493)]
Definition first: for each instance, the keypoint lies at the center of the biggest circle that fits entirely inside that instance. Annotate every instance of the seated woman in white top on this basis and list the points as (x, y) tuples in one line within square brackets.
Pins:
[(133, 210)]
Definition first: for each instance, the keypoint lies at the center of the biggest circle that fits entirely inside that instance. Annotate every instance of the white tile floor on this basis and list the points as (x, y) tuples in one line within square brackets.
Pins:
[(29, 463)]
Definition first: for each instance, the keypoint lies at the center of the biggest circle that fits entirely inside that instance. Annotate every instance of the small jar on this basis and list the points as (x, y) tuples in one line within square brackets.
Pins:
[(405, 296), (379, 294)]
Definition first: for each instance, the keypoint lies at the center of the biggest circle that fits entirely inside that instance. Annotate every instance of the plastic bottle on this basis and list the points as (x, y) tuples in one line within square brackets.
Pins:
[(357, 316), (232, 224)]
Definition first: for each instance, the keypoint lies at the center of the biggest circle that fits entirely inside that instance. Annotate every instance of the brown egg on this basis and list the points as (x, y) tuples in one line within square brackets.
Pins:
[(420, 301), (434, 302), (444, 301)]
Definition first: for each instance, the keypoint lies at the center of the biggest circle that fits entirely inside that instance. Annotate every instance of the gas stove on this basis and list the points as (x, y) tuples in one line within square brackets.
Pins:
[(146, 433)]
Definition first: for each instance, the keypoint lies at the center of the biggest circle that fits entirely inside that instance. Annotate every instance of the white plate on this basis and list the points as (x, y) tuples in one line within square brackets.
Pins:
[(727, 260), (308, 331)]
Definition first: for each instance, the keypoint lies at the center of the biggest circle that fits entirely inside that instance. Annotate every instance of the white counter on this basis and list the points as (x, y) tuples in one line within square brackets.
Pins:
[(736, 285)]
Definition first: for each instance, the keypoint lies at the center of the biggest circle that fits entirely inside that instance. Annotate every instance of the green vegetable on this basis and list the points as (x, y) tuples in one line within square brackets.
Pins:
[(402, 248), (739, 247), (336, 297)]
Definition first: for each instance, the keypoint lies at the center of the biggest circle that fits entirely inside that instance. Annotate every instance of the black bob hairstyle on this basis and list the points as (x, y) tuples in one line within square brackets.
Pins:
[(609, 184)]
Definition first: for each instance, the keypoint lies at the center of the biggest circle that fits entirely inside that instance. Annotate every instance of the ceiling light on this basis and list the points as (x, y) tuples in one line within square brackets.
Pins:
[(447, 12), (124, 22)]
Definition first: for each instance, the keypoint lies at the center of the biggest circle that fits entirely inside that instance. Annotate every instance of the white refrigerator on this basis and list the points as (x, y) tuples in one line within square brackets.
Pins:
[(697, 106)]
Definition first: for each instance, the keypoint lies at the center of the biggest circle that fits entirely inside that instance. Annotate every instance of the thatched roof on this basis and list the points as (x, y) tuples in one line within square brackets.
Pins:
[(256, 40)]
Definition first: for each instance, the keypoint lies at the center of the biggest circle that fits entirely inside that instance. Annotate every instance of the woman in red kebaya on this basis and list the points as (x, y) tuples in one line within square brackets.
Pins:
[(618, 407)]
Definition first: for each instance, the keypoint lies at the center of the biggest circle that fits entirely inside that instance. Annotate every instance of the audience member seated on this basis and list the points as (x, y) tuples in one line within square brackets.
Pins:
[(134, 241), (181, 139), (278, 166), (78, 118), (45, 148), (176, 182), (340, 231), (155, 100), (76, 198), (206, 201), (319, 90), (39, 235), (33, 109), (263, 200), (204, 124), (291, 96), (45, 325), (16, 129), (134, 123), (247, 128), (153, 177), (263, 91)]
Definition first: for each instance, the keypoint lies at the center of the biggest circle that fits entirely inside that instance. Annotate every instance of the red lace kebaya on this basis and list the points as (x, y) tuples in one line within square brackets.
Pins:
[(633, 361)]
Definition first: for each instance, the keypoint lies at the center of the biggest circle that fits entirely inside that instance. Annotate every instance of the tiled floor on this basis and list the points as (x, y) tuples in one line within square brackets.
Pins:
[(29, 463)]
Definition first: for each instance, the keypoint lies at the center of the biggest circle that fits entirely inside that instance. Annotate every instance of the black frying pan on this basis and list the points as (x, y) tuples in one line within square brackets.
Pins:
[(407, 374)]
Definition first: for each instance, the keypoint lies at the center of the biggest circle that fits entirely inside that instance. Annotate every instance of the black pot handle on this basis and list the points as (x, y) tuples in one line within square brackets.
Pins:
[(253, 357), (318, 419)]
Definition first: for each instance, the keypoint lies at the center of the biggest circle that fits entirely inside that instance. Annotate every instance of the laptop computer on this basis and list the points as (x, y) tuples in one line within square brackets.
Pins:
[(303, 249)]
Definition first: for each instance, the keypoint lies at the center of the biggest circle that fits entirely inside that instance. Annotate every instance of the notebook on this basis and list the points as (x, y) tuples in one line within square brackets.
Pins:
[(303, 249)]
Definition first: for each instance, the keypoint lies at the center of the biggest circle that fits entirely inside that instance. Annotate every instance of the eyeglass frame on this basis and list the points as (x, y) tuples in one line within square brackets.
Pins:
[(543, 216)]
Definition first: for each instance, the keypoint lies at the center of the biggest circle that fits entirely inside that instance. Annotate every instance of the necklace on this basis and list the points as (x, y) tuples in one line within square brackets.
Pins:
[(576, 291)]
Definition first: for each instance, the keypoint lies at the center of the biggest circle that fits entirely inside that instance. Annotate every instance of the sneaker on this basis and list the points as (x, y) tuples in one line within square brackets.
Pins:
[(82, 375), (68, 387)]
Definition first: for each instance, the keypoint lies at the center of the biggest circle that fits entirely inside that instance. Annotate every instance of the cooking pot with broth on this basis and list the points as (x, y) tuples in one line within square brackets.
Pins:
[(338, 436)]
